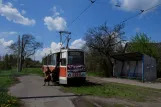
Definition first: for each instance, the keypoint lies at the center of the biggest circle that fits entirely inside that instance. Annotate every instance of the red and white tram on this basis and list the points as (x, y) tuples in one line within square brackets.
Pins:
[(67, 66)]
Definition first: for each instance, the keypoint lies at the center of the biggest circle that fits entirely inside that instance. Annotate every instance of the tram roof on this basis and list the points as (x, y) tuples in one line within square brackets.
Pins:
[(65, 50)]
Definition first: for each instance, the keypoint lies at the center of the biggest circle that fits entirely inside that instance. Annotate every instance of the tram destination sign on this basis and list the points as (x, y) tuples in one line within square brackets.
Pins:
[(74, 53), (76, 68)]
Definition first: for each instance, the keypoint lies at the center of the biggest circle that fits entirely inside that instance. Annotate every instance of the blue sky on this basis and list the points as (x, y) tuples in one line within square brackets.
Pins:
[(44, 18)]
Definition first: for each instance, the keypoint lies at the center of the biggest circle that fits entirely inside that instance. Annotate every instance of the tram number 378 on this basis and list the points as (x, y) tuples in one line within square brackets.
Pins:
[(76, 74)]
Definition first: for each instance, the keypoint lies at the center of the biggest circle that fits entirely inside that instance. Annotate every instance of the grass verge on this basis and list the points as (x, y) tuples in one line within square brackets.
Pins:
[(36, 71), (96, 74), (8, 78), (116, 90)]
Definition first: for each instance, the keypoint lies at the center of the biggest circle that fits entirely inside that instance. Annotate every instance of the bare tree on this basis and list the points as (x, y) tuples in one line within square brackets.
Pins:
[(28, 45), (105, 41)]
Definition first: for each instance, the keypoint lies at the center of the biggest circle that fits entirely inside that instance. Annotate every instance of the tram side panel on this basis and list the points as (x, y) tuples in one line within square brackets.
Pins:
[(63, 75), (67, 75)]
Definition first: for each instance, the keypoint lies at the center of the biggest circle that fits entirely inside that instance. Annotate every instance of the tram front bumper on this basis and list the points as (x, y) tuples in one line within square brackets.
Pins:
[(76, 80)]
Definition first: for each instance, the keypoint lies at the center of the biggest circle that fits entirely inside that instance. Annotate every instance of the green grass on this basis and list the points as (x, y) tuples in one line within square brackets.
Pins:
[(117, 90), (8, 78), (96, 74), (37, 71)]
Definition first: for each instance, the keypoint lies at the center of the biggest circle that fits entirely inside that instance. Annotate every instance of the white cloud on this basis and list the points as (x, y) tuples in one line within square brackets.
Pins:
[(55, 22), (5, 43), (54, 9), (77, 44), (131, 5), (23, 12), (55, 47), (12, 14), (3, 46), (5, 34)]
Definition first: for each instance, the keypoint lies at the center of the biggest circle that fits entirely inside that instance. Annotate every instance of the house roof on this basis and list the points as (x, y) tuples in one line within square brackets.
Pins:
[(128, 56)]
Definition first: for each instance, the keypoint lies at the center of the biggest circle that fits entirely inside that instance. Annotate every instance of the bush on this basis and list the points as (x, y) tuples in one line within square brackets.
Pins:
[(5, 66)]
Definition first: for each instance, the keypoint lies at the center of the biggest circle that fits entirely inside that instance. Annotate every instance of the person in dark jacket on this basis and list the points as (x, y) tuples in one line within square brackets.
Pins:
[(47, 76), (55, 73)]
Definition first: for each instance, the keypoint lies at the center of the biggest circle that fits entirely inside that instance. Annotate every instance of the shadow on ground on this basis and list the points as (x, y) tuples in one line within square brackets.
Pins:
[(86, 84), (39, 97)]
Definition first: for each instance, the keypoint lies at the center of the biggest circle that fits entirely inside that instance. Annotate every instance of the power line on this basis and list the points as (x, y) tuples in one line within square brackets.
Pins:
[(92, 1), (153, 7), (128, 7), (131, 18), (142, 11)]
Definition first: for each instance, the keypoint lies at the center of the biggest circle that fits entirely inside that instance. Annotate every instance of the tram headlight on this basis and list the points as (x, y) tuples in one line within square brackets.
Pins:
[(83, 74), (69, 74)]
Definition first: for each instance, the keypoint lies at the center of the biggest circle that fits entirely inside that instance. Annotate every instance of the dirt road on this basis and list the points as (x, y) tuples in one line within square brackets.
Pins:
[(126, 81), (32, 92)]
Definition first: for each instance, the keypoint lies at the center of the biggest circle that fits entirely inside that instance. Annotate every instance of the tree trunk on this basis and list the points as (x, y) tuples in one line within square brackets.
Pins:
[(21, 64), (107, 67)]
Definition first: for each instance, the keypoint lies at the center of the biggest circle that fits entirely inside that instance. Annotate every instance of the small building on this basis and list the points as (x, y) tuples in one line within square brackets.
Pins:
[(135, 66)]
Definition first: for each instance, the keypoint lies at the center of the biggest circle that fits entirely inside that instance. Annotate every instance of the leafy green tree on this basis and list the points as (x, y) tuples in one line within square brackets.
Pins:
[(29, 63), (5, 64), (143, 44)]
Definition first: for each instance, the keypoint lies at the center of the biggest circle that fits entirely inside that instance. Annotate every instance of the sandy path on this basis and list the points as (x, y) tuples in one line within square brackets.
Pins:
[(32, 92)]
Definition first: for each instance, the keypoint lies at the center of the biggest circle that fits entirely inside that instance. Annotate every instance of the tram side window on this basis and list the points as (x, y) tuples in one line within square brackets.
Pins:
[(63, 59), (45, 61), (49, 60), (53, 59)]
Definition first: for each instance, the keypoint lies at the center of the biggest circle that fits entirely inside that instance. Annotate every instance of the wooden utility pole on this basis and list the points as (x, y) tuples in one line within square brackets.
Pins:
[(18, 55), (34, 58), (21, 52)]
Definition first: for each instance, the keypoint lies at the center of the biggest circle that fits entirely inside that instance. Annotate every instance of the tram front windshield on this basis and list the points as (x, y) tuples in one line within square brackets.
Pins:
[(75, 58)]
